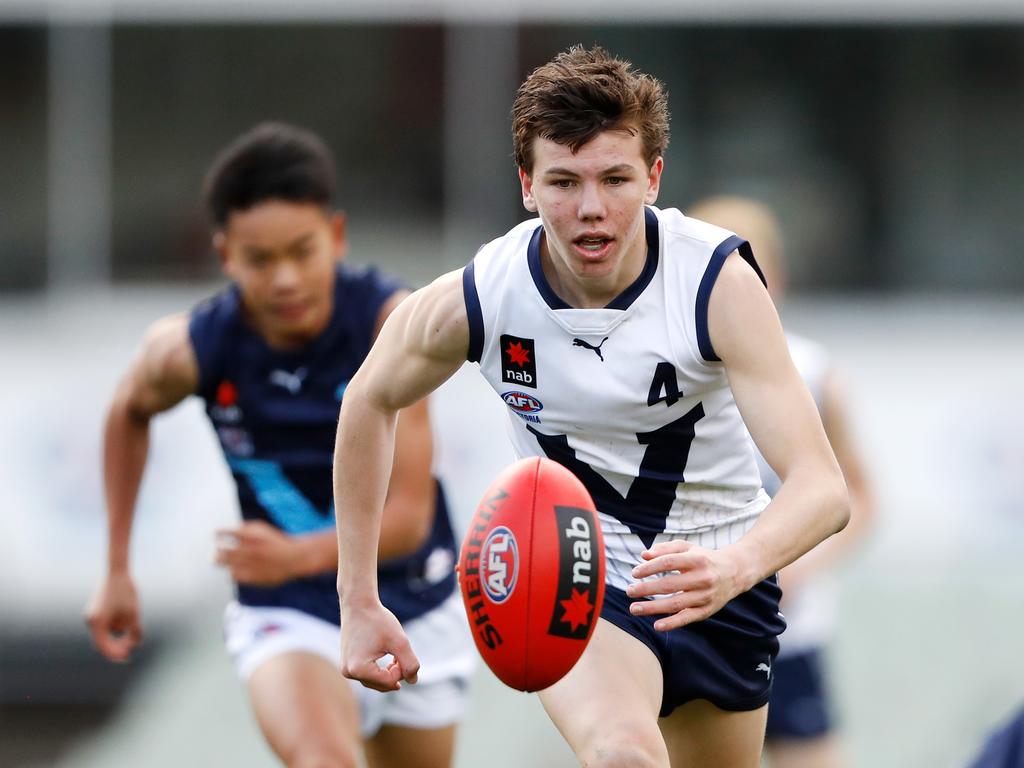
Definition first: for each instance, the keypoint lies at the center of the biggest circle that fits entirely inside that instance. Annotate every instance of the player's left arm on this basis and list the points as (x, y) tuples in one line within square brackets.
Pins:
[(812, 502)]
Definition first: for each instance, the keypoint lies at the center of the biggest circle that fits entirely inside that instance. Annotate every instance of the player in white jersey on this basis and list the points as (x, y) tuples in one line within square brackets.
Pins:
[(801, 729), (628, 342)]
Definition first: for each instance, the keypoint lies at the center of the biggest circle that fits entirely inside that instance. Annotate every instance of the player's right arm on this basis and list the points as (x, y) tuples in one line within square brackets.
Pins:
[(423, 342), (164, 373)]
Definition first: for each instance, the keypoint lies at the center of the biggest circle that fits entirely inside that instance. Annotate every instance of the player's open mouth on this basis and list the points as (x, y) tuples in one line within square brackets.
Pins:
[(593, 245), (291, 311)]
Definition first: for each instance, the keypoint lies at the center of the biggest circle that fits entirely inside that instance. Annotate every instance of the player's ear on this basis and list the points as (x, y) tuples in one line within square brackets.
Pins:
[(220, 246), (339, 234), (526, 182), (654, 181)]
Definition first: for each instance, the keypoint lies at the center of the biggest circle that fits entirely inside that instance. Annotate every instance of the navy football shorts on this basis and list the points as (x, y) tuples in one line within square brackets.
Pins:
[(798, 708), (726, 659)]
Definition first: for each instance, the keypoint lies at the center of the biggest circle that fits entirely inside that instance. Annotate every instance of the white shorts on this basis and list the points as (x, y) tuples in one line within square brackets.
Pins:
[(440, 639)]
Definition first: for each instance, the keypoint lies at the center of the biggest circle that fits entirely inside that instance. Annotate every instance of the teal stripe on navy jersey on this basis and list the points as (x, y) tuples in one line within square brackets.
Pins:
[(276, 413)]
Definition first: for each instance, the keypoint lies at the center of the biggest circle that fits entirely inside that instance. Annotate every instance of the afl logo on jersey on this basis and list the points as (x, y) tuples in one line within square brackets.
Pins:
[(499, 564), (523, 405)]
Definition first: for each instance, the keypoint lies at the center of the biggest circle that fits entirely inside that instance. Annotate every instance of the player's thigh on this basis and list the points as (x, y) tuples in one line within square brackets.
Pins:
[(607, 706), (699, 733), (818, 752), (400, 746), (306, 709)]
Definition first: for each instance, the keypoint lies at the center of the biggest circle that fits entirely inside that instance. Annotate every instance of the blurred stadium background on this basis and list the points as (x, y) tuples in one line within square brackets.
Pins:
[(887, 135)]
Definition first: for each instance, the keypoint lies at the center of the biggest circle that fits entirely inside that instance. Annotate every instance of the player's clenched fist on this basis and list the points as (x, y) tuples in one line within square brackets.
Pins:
[(113, 617), (371, 633)]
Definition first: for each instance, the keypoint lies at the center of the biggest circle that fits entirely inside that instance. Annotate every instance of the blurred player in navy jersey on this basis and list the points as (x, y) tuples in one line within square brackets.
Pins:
[(1004, 747), (801, 728), (271, 357), (654, 353)]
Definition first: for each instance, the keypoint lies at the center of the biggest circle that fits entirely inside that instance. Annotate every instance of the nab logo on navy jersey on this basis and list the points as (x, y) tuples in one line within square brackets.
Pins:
[(518, 362)]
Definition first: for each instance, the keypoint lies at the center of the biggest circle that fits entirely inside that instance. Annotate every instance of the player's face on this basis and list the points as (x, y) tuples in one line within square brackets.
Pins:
[(592, 206), (283, 257)]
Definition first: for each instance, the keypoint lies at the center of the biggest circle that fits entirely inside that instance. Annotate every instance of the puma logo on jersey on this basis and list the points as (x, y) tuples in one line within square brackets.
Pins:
[(596, 350), (290, 381), (766, 668)]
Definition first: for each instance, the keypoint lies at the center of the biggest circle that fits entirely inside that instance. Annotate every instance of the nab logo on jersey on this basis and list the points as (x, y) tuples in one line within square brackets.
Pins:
[(499, 564), (518, 362)]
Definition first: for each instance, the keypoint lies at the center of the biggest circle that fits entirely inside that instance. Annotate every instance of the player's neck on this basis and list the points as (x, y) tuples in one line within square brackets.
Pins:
[(598, 291)]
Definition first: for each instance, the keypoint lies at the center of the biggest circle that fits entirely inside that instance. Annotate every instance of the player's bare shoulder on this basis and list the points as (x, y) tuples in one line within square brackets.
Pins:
[(165, 371), (437, 325)]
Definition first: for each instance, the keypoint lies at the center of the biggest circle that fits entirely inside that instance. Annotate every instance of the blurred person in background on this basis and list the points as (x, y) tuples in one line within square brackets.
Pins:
[(801, 729), (271, 356), (1004, 747), (645, 335)]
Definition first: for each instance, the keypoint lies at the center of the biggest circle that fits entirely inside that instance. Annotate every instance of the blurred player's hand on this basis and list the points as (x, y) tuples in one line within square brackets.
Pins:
[(113, 617), (259, 554), (695, 583), (372, 632)]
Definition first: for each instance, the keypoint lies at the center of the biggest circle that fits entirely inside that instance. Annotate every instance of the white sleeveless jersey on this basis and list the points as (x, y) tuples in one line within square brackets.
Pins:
[(630, 397), (811, 611)]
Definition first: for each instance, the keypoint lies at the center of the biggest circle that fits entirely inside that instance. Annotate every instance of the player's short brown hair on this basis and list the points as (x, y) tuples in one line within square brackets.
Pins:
[(583, 92)]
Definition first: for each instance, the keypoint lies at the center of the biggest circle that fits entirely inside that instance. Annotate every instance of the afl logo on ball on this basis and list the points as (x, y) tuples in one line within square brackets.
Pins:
[(499, 564)]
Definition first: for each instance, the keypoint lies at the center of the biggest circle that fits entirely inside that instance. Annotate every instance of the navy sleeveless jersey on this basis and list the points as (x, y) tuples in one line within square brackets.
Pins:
[(276, 414)]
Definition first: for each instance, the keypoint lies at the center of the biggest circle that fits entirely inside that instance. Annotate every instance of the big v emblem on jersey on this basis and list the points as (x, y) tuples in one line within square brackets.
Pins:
[(518, 361)]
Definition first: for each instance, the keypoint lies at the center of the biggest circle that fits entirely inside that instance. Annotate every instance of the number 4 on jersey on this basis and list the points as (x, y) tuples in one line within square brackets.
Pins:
[(653, 491)]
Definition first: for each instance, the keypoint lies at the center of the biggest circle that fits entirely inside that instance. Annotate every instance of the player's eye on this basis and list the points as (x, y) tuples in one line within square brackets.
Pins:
[(563, 183), (616, 180)]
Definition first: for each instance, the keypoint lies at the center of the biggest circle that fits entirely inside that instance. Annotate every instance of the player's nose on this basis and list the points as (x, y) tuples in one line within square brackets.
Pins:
[(591, 203)]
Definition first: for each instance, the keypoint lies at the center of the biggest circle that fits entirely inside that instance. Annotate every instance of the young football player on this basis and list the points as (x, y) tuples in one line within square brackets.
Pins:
[(652, 346), (271, 357)]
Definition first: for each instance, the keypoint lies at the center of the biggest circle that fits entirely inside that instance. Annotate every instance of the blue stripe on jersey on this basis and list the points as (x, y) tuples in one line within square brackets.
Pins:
[(707, 282), (474, 314), (290, 510), (628, 296)]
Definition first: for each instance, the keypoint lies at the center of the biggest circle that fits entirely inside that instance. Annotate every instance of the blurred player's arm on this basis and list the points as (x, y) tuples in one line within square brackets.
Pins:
[(420, 346), (780, 414), (164, 373), (257, 553), (835, 417)]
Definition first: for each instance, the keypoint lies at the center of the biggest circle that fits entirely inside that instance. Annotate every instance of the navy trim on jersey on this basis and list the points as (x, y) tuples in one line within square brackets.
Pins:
[(474, 314), (632, 293), (624, 299), (748, 256), (707, 282)]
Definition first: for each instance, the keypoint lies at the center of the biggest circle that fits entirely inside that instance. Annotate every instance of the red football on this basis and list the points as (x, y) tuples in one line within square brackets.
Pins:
[(532, 573)]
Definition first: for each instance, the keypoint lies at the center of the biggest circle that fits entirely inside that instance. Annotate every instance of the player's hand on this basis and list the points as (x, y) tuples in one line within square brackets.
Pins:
[(371, 632), (112, 616), (257, 553), (695, 583)]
